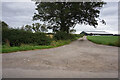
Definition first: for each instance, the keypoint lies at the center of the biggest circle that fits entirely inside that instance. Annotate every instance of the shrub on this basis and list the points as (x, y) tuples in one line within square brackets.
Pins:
[(42, 39), (17, 37), (63, 36), (78, 35)]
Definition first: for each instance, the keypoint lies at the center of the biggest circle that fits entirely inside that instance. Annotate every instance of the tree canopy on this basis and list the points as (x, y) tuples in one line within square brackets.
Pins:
[(66, 15)]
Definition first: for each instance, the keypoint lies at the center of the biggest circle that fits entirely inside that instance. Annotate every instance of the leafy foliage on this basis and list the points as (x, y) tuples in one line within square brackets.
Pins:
[(35, 27), (43, 28), (28, 28), (72, 31), (65, 15), (6, 49), (17, 37), (78, 35), (63, 36)]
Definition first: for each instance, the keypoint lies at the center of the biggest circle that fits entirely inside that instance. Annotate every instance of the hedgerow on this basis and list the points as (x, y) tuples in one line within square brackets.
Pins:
[(16, 37)]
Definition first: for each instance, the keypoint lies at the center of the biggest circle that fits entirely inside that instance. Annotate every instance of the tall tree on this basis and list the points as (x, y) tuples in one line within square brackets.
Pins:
[(36, 27), (68, 14), (43, 28)]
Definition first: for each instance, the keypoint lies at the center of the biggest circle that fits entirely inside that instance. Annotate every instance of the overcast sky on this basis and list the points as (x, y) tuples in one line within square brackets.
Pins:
[(17, 14)]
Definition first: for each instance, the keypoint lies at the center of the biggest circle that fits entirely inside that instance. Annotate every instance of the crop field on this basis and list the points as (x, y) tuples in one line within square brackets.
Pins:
[(105, 40)]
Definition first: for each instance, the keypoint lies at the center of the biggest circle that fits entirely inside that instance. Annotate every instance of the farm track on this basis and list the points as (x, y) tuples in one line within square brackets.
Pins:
[(80, 59)]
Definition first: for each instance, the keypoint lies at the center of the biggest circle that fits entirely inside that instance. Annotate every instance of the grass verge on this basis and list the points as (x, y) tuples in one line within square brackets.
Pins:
[(6, 49), (105, 40)]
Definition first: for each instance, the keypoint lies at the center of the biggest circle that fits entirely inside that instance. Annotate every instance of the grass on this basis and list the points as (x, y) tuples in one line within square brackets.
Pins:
[(7, 49), (105, 40)]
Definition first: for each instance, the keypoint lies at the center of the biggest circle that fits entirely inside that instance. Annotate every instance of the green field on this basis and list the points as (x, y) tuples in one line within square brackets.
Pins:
[(105, 40)]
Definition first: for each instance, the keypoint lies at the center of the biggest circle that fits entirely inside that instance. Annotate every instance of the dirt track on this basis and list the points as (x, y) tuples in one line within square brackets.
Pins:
[(80, 59)]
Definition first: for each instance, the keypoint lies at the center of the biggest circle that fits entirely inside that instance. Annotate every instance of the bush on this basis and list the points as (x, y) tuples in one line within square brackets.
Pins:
[(17, 37), (78, 35), (63, 36), (42, 39)]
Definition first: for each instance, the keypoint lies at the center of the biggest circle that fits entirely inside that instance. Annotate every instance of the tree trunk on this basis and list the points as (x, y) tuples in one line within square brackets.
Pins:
[(64, 28), (62, 25), (67, 29)]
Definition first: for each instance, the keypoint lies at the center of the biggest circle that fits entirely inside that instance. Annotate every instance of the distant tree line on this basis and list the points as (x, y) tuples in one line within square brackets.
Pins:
[(35, 27)]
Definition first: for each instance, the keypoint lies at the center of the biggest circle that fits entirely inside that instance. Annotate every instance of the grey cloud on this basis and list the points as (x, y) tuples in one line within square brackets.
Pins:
[(17, 14)]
